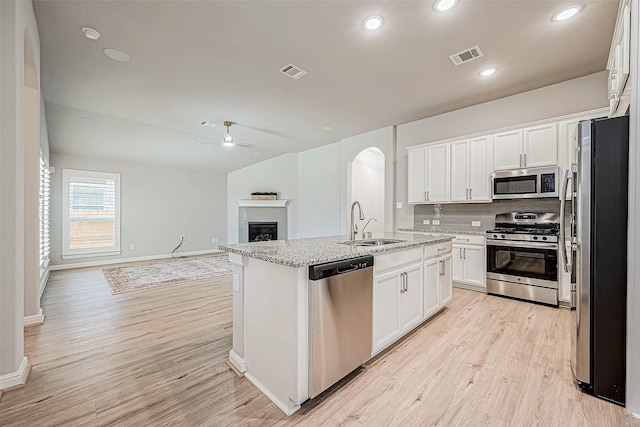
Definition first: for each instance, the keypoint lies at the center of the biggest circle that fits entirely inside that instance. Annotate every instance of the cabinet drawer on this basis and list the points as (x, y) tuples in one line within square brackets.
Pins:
[(437, 249), (466, 239), (396, 260)]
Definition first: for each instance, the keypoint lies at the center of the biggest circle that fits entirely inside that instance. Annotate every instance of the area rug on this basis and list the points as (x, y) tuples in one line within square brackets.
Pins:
[(136, 277)]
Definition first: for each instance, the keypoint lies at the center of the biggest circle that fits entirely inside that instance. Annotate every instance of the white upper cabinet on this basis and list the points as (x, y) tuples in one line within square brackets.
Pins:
[(470, 170), (540, 146), (526, 148), (417, 181), (480, 169), (507, 150), (619, 62), (438, 173)]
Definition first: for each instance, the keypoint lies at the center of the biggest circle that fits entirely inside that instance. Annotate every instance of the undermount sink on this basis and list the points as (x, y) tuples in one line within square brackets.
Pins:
[(372, 242)]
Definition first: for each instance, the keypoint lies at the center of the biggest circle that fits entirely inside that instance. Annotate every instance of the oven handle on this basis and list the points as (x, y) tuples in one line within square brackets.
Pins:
[(532, 245), (563, 247)]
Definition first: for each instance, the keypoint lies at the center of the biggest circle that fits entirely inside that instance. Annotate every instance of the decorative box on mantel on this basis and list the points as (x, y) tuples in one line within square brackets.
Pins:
[(264, 196)]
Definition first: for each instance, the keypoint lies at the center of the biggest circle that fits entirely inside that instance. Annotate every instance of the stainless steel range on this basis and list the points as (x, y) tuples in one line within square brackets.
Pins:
[(522, 256)]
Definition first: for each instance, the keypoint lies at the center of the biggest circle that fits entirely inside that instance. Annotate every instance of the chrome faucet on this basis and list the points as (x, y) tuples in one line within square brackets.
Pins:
[(364, 235), (354, 226)]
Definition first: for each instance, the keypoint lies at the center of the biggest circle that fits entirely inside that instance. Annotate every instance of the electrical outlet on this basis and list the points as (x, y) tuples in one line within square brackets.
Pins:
[(183, 238), (214, 240), (132, 246), (398, 205), (426, 222), (475, 223), (436, 222)]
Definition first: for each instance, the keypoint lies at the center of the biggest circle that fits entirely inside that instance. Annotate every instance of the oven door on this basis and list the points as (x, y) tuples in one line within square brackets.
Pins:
[(523, 262)]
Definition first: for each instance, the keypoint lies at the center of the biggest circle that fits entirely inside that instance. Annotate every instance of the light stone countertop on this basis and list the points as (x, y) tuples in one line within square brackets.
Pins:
[(318, 250), (476, 231)]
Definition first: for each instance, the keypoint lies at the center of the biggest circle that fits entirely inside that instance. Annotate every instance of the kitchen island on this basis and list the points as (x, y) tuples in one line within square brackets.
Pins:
[(271, 302)]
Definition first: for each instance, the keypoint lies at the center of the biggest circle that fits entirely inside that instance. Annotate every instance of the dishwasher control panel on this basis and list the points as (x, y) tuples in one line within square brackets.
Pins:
[(322, 271)]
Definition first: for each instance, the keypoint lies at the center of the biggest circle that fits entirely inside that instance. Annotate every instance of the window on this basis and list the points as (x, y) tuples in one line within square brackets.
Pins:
[(91, 213), (43, 210)]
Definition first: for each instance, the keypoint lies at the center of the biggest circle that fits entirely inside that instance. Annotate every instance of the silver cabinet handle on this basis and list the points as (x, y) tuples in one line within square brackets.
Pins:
[(444, 268), (406, 282), (402, 283), (460, 255), (525, 159), (442, 249), (470, 193), (462, 240), (464, 254), (425, 196)]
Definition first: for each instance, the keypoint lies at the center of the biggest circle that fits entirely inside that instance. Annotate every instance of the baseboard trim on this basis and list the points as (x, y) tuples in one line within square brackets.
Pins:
[(237, 361), (36, 319), (124, 260), (17, 378), (634, 415), (288, 410)]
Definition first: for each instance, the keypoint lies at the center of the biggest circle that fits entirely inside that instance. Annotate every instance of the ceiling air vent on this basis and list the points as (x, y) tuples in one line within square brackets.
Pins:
[(466, 55), (293, 71)]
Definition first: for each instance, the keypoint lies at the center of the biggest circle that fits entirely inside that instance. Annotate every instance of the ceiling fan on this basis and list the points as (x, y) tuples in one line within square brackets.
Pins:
[(227, 138)]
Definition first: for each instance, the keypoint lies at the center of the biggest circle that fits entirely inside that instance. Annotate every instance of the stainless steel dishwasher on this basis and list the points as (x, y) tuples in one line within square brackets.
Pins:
[(341, 296)]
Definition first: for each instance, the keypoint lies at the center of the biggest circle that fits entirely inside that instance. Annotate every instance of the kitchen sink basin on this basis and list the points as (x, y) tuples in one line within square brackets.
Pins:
[(372, 242)]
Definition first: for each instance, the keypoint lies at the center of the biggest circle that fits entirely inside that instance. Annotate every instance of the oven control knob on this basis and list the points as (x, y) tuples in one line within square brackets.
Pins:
[(495, 236), (544, 238), (502, 236), (535, 237)]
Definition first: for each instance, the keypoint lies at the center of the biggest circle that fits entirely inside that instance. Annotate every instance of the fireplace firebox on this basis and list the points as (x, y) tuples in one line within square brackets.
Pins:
[(261, 231)]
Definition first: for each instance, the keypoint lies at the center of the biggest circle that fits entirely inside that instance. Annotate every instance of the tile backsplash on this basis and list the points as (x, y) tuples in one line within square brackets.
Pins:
[(461, 214)]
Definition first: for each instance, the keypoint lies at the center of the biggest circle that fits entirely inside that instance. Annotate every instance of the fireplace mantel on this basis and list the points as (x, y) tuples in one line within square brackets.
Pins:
[(248, 203)]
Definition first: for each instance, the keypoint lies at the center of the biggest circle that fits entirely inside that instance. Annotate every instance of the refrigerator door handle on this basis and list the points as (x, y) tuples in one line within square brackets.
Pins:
[(563, 195)]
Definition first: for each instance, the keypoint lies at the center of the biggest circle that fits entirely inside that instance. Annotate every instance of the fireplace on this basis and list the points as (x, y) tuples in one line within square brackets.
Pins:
[(260, 231)]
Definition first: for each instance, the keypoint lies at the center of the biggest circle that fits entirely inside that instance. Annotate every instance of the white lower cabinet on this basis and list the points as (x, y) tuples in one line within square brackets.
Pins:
[(407, 289), (397, 296), (469, 263)]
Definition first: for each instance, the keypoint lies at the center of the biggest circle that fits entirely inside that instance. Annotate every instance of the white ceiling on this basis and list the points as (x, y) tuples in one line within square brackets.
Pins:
[(219, 60)]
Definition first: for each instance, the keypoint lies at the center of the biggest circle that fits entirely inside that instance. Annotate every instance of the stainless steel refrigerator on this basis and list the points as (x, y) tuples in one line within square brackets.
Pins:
[(599, 184)]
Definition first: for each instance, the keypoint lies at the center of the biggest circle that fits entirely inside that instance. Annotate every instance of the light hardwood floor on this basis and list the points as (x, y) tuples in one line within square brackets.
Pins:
[(157, 357)]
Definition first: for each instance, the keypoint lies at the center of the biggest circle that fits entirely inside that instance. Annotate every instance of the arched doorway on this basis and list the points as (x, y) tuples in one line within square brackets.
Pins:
[(367, 188)]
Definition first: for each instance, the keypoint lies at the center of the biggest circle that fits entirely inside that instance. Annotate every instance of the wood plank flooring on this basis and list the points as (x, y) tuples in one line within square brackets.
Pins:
[(157, 357)]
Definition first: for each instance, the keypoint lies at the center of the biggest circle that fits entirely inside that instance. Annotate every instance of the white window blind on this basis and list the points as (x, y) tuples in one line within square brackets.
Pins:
[(91, 213), (44, 196)]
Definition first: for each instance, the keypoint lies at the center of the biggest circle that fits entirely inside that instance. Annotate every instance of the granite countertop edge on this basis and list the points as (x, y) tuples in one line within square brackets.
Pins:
[(447, 230), (308, 254)]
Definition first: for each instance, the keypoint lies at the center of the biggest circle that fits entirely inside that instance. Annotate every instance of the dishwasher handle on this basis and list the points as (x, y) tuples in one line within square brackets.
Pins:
[(322, 271)]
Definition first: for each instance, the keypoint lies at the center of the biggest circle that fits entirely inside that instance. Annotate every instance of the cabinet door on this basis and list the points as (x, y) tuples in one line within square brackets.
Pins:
[(458, 264), (438, 170), (541, 145), (460, 171), (446, 291), (507, 150), (479, 173), (431, 287), (411, 298), (474, 266), (386, 305), (416, 182)]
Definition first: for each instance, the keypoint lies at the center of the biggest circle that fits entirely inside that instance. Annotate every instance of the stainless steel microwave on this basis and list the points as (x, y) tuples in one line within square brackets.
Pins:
[(528, 183)]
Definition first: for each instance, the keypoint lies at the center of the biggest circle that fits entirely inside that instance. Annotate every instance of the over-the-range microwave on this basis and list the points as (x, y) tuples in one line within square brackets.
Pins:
[(528, 183)]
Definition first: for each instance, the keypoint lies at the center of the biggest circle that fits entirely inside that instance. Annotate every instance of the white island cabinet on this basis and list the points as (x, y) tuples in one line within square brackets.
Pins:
[(271, 303)]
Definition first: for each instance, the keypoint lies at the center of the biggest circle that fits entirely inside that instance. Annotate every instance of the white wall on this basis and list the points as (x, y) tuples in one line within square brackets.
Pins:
[(633, 302), (319, 192), (158, 205), (573, 96), (367, 187), (17, 23), (274, 175)]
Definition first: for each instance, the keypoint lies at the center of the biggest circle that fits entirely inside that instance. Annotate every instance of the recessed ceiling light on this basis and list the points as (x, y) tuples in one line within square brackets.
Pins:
[(258, 154), (444, 5), (194, 140), (90, 33), (116, 54), (373, 22), (327, 128), (208, 124), (567, 13), (488, 72)]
